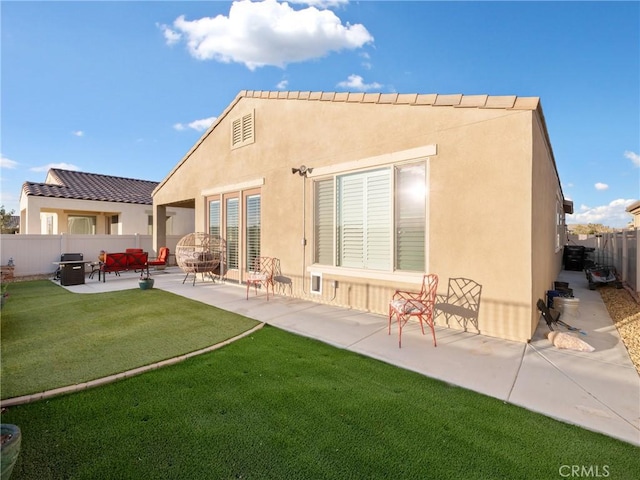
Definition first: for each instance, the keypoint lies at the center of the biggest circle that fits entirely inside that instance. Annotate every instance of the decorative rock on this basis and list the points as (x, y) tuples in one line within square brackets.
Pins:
[(569, 342)]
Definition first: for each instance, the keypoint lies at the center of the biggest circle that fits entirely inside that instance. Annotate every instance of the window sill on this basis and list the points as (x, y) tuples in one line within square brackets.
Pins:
[(404, 277)]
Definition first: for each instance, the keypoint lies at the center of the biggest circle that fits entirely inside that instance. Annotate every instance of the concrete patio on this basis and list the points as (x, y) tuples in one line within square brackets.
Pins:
[(599, 391)]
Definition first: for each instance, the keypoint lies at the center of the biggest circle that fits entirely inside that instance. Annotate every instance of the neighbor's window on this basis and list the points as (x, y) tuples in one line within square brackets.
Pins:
[(374, 219), (112, 224), (81, 224), (49, 224)]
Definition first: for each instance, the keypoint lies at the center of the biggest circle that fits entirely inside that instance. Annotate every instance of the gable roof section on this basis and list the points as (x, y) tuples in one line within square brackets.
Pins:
[(91, 186), (506, 102)]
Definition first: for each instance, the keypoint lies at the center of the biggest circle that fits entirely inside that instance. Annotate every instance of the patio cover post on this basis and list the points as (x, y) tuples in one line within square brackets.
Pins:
[(159, 227)]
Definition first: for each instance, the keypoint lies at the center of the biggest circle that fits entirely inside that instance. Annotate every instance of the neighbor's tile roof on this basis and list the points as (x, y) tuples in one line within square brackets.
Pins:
[(92, 186)]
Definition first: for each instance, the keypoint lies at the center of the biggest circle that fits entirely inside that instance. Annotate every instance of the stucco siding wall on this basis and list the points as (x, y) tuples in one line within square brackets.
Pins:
[(479, 197), (480, 222), (546, 257)]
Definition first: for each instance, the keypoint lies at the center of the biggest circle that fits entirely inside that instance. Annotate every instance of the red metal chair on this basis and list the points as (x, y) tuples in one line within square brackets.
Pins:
[(261, 273), (405, 305), (163, 255)]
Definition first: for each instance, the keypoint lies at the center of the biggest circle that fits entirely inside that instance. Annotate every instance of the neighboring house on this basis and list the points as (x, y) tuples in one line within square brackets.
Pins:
[(87, 203), (634, 209), (395, 185)]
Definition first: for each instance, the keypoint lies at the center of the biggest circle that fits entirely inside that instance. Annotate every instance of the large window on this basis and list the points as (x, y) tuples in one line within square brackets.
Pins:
[(236, 217), (324, 232), (252, 231), (232, 233), (82, 224), (410, 217), (373, 219), (214, 217), (363, 212)]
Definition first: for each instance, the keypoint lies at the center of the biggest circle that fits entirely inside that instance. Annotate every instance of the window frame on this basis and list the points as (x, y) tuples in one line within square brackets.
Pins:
[(560, 226), (92, 219), (393, 271), (246, 196), (241, 193), (226, 198)]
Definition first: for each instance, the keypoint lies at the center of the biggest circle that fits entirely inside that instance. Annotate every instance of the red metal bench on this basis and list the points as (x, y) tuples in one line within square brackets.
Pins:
[(119, 262)]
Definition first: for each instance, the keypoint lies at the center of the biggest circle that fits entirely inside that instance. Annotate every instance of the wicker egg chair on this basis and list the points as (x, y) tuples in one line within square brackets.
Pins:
[(201, 253)]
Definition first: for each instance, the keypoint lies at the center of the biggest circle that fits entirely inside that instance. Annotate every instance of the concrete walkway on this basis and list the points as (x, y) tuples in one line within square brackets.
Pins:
[(599, 391)]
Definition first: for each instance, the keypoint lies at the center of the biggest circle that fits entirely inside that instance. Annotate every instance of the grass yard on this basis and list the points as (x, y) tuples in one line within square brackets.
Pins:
[(53, 338), (271, 405), (277, 406)]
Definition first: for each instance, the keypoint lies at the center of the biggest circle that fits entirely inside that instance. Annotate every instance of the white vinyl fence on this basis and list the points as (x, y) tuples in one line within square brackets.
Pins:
[(619, 249), (35, 254)]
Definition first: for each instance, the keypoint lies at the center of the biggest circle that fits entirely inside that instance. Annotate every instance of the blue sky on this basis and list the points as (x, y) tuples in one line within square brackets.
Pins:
[(126, 88)]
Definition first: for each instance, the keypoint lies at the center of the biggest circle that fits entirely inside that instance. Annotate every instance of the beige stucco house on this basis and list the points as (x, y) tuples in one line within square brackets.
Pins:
[(634, 209), (88, 203), (359, 194)]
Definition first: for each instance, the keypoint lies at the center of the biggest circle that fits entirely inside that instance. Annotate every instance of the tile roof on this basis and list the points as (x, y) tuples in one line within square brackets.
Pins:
[(507, 102), (92, 186), (456, 100)]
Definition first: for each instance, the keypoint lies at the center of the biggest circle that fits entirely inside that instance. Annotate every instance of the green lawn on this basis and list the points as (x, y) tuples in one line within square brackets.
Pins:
[(53, 338), (274, 405)]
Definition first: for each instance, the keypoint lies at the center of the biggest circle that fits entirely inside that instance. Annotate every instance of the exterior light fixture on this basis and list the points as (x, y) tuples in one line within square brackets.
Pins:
[(303, 171)]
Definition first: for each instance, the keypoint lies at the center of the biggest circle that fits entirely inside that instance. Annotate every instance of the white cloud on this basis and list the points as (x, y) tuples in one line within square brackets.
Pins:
[(78, 133), (366, 63), (197, 125), (356, 82), (601, 186), (321, 3), (170, 36), (266, 33), (7, 163), (610, 215), (633, 156), (62, 166), (282, 85)]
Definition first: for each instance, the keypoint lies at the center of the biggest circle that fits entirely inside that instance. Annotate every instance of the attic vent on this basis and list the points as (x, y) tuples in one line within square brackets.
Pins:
[(242, 131)]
